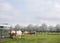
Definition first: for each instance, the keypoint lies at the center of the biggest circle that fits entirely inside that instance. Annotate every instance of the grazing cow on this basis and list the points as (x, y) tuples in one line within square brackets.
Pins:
[(32, 33), (12, 34), (16, 34), (26, 32)]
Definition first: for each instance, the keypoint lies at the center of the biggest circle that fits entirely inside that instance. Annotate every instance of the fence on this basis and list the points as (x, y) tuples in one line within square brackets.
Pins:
[(4, 32)]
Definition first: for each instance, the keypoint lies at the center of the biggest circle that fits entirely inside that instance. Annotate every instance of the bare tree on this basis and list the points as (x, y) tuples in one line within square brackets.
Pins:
[(43, 27), (58, 27), (17, 27), (51, 28)]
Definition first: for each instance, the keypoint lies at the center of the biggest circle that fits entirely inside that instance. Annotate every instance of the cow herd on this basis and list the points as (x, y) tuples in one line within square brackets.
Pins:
[(19, 33)]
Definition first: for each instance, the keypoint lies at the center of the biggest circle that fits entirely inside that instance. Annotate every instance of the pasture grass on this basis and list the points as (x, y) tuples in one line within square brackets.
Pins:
[(37, 38)]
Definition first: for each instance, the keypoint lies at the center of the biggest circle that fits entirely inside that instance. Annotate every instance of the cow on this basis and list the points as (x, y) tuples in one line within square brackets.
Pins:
[(12, 34), (31, 33), (16, 34), (26, 32)]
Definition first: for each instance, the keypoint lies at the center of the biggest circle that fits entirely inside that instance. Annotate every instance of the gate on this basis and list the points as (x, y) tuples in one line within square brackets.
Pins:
[(4, 31)]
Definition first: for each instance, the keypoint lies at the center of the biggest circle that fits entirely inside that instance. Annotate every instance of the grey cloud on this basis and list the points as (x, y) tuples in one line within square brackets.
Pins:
[(33, 11)]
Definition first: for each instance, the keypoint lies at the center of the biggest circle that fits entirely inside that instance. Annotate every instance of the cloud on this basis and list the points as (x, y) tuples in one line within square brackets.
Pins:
[(4, 6), (6, 11), (48, 10), (6, 17), (30, 11)]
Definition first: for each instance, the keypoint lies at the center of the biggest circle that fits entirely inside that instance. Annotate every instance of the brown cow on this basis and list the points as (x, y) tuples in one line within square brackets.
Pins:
[(26, 32)]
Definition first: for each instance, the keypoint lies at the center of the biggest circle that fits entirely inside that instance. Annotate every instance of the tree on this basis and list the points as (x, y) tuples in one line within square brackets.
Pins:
[(51, 28), (43, 27), (30, 27), (36, 28), (58, 27), (17, 27)]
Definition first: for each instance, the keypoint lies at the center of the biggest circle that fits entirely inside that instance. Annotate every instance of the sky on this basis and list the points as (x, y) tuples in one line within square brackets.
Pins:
[(26, 12)]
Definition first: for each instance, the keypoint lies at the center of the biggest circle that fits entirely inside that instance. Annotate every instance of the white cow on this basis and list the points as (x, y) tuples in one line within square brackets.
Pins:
[(16, 34)]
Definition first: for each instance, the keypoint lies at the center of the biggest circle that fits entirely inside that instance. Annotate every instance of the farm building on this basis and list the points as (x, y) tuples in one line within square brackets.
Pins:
[(4, 30)]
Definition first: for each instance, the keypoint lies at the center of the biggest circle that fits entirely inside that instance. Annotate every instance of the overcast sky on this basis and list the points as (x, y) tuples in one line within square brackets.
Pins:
[(25, 12)]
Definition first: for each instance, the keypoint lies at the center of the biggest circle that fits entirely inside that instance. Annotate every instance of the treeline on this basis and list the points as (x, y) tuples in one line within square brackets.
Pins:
[(42, 28)]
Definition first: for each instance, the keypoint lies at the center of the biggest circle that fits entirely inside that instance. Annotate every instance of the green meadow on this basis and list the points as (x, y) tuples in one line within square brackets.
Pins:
[(36, 38)]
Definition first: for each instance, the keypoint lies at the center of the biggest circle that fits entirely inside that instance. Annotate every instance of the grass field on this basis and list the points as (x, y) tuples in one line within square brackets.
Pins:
[(37, 38)]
